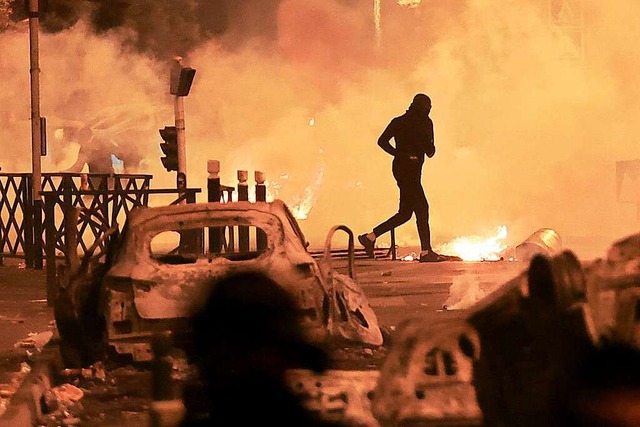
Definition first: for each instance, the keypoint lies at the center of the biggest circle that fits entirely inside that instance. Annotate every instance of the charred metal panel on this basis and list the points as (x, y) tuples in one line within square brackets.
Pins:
[(614, 292), (360, 322), (337, 396), (427, 376), (140, 351), (352, 317), (178, 286)]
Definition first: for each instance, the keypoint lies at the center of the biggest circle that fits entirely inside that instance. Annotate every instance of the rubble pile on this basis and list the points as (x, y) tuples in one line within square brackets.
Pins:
[(63, 403), (7, 390)]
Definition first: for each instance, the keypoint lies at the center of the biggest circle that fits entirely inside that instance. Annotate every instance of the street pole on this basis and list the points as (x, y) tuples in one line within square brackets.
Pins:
[(181, 179), (179, 86), (36, 149)]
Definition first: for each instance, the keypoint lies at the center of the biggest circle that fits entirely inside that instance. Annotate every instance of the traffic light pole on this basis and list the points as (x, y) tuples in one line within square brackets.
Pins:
[(36, 131), (174, 145), (181, 177)]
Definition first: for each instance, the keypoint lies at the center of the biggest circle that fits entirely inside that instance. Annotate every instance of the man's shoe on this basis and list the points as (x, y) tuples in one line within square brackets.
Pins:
[(368, 245)]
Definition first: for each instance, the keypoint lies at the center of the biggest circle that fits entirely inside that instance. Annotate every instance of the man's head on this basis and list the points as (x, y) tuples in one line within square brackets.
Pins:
[(421, 103)]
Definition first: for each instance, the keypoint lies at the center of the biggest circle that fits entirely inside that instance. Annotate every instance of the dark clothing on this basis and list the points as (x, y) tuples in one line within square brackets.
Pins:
[(408, 176), (413, 136)]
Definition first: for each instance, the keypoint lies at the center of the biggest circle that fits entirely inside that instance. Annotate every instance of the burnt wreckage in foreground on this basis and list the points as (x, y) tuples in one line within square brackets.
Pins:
[(152, 276), (524, 355), (513, 358)]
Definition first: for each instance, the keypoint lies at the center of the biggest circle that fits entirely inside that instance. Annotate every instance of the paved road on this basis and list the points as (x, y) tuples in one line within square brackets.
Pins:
[(23, 305), (396, 290), (402, 289)]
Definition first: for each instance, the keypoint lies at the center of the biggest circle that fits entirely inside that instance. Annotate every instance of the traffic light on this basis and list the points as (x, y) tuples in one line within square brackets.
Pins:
[(181, 80), (170, 148)]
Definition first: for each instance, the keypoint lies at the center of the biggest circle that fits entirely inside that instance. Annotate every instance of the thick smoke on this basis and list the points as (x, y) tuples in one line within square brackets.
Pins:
[(529, 119), (162, 28)]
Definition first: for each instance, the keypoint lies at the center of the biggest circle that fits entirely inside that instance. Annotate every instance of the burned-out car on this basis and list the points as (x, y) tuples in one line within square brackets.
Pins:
[(507, 360), (613, 287), (159, 268), (427, 378), (341, 396)]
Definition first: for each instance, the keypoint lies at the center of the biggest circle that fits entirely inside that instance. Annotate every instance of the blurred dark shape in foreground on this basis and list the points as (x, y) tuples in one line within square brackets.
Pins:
[(558, 345), (246, 336)]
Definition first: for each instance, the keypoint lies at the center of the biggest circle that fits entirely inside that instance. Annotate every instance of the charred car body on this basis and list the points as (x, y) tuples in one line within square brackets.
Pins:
[(157, 271), (507, 360), (427, 378), (613, 289)]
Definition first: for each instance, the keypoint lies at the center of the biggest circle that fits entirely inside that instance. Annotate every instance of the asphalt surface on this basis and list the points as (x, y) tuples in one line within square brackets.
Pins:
[(396, 290), (403, 289), (25, 323), (23, 305)]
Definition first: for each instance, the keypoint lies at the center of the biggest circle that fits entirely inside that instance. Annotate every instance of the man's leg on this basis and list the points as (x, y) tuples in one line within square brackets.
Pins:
[(422, 220), (421, 207), (395, 221), (405, 210)]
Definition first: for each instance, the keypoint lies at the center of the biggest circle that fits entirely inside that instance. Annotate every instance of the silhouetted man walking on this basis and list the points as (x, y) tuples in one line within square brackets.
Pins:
[(413, 136)]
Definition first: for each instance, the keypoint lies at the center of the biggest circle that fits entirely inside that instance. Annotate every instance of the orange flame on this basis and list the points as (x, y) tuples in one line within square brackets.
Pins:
[(476, 248), (301, 204)]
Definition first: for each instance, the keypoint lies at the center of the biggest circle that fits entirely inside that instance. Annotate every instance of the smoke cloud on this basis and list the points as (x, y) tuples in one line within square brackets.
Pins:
[(159, 28), (529, 116)]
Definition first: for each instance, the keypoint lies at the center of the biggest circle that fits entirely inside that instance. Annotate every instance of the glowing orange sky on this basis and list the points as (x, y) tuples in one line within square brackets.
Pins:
[(525, 137)]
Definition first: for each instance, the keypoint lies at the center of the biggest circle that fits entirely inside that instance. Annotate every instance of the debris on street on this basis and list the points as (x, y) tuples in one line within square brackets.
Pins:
[(9, 389), (342, 396), (463, 293), (412, 256), (62, 405), (95, 371), (66, 393), (35, 340), (10, 319)]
